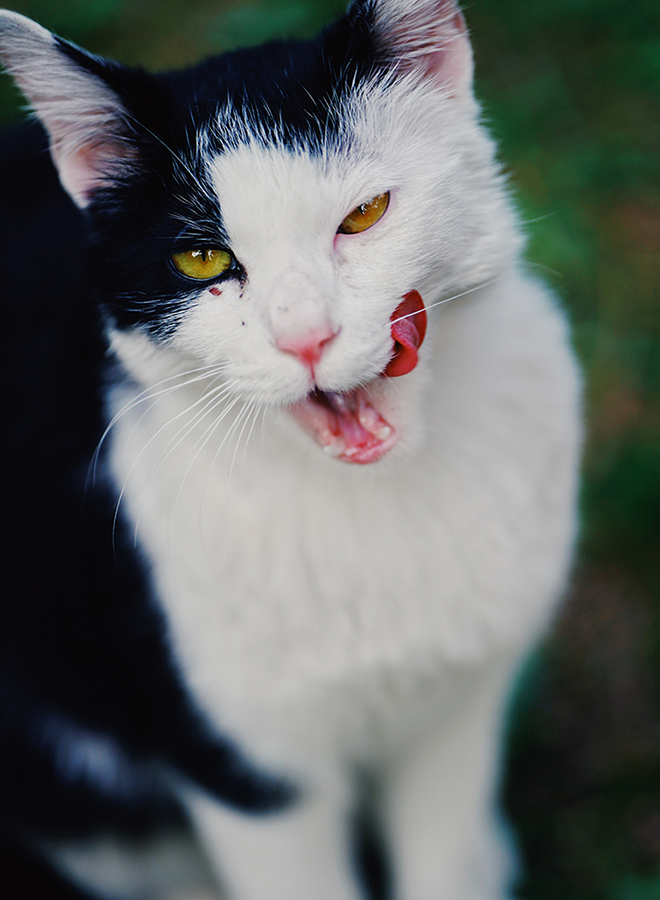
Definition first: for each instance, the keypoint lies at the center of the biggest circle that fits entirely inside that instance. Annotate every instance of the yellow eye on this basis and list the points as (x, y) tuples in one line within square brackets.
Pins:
[(365, 215), (202, 264)]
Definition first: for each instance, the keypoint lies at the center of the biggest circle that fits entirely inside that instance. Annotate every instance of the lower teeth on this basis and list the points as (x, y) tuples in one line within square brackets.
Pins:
[(335, 449)]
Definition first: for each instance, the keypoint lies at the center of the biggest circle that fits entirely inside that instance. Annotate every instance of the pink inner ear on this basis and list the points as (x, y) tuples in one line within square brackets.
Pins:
[(86, 168), (408, 331), (78, 172), (432, 37), (452, 62)]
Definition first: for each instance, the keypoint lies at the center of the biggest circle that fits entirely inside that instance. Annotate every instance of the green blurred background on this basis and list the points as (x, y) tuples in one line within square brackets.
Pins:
[(571, 88)]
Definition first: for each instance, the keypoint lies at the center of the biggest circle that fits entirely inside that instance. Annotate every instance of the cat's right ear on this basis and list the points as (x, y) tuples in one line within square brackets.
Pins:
[(85, 119), (428, 37)]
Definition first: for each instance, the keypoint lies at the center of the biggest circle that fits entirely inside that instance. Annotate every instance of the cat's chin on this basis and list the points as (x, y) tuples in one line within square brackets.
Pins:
[(348, 426)]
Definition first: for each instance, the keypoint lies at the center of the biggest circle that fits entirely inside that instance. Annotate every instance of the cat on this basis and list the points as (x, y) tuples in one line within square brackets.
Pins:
[(293, 468)]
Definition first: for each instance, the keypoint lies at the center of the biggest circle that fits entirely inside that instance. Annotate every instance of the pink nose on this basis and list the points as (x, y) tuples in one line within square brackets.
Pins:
[(307, 347)]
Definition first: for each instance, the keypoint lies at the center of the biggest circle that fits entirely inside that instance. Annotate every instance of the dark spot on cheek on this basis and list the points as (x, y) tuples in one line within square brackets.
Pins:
[(216, 291)]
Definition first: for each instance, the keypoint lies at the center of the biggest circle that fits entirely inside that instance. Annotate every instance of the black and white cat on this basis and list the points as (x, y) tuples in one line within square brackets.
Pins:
[(295, 581)]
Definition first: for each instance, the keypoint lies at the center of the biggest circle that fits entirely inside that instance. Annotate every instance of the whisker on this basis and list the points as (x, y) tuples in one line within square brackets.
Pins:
[(153, 437), (246, 417), (258, 410), (471, 290), (183, 433), (544, 268), (147, 394), (176, 156), (208, 435), (203, 440), (541, 218), (130, 435), (179, 415), (210, 400), (263, 426)]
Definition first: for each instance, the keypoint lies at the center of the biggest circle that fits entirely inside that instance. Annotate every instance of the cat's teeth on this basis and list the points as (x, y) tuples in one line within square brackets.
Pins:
[(335, 449), (372, 422), (347, 426)]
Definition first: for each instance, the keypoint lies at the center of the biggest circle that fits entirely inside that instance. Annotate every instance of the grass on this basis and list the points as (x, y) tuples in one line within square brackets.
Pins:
[(571, 88)]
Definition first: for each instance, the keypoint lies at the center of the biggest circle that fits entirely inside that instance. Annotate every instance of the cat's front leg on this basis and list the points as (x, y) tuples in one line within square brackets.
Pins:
[(444, 836), (303, 853)]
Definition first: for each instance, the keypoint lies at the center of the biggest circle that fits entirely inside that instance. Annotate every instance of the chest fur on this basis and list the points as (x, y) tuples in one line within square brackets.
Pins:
[(286, 577)]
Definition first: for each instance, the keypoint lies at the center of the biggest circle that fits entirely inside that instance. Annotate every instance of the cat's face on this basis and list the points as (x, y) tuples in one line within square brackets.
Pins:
[(276, 227)]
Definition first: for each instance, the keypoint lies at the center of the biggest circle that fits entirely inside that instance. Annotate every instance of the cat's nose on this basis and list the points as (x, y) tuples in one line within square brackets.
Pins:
[(307, 347), (299, 314)]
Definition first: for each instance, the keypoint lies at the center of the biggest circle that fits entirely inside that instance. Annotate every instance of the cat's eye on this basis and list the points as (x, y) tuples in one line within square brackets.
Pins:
[(204, 264), (365, 215)]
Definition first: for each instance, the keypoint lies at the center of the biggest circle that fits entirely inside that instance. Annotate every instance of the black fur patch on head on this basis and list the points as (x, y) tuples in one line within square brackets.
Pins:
[(287, 93)]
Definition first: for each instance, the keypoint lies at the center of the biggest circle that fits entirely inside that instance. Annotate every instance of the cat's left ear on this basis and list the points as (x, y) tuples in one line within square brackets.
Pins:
[(85, 119), (426, 36)]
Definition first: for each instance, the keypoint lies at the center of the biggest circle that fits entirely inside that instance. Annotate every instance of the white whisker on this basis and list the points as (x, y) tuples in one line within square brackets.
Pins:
[(147, 394), (203, 440), (180, 436), (210, 400), (263, 427), (183, 432), (250, 410), (240, 421), (176, 156), (471, 290), (143, 450)]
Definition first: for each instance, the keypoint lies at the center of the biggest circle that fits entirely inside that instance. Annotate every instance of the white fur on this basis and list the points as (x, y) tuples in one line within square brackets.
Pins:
[(334, 618), (299, 572), (331, 618), (169, 866)]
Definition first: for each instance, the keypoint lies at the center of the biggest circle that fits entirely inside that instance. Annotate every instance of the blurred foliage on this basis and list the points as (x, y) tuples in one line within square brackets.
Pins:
[(571, 88)]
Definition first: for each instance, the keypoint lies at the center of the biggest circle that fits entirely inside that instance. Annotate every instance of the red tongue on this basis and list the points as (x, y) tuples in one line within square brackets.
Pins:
[(408, 330)]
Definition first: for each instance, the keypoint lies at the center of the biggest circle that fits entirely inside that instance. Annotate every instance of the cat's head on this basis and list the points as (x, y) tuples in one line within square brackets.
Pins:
[(283, 214)]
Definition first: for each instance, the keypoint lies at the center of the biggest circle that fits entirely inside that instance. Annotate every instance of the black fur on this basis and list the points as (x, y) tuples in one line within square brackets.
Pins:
[(287, 91), (82, 639)]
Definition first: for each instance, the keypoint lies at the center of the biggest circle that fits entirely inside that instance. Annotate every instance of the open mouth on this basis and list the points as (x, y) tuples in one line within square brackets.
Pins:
[(348, 425)]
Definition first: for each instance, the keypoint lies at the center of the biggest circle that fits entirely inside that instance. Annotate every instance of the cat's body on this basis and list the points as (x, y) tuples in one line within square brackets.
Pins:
[(317, 624)]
